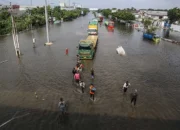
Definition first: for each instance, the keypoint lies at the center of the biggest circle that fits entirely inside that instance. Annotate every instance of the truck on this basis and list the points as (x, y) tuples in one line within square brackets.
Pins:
[(100, 18), (109, 24), (151, 36), (93, 23), (92, 29), (95, 19), (87, 48)]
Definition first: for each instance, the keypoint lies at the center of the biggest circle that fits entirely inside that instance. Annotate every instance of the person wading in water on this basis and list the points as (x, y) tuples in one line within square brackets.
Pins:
[(134, 97), (92, 91), (125, 86), (82, 85), (77, 78), (74, 71), (62, 106), (92, 73)]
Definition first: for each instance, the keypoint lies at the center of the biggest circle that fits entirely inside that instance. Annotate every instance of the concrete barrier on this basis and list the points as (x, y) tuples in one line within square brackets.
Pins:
[(172, 41)]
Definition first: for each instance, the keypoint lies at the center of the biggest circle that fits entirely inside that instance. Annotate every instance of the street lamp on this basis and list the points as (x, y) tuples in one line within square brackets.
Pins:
[(47, 29)]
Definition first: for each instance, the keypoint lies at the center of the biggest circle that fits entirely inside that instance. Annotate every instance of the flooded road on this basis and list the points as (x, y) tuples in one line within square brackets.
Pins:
[(152, 69)]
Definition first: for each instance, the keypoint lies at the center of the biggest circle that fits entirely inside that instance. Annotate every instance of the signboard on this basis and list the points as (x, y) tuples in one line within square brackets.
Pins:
[(82, 12), (14, 10), (113, 11), (15, 6)]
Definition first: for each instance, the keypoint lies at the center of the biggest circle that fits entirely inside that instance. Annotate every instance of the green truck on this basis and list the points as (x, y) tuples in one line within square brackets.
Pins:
[(93, 23), (93, 28), (95, 19), (87, 48)]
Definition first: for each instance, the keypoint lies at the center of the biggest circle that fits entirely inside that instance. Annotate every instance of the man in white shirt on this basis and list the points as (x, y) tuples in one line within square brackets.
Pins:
[(82, 85), (125, 86)]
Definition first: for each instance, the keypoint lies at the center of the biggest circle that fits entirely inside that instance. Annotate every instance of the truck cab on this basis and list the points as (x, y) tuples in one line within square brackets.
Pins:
[(85, 49)]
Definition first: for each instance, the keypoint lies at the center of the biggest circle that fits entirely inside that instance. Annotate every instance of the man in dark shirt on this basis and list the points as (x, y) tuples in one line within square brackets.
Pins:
[(134, 97)]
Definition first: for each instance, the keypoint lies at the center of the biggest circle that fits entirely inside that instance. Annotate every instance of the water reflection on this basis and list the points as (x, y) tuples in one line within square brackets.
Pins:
[(122, 28)]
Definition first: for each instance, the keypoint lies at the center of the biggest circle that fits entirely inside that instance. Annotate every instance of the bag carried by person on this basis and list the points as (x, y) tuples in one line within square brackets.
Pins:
[(93, 90)]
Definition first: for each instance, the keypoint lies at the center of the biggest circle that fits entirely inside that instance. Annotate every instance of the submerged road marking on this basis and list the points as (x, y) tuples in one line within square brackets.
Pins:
[(13, 119)]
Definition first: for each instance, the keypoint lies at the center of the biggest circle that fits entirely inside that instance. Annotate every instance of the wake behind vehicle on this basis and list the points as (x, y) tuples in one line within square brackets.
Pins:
[(87, 48)]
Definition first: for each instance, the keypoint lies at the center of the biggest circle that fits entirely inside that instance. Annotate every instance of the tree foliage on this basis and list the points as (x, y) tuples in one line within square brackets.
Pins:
[(174, 15), (36, 17), (146, 22), (148, 25), (5, 22), (120, 14)]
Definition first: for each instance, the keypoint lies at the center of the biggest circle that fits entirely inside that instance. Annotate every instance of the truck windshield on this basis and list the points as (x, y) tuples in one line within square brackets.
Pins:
[(84, 48), (92, 30)]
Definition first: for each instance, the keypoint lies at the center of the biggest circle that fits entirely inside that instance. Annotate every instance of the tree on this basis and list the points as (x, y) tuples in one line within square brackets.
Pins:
[(37, 18), (146, 22), (106, 12), (174, 15), (124, 15), (5, 22), (57, 13), (147, 25)]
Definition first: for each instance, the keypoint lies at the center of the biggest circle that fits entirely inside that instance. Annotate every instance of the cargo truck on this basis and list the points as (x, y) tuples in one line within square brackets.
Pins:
[(87, 48), (151, 36), (109, 24)]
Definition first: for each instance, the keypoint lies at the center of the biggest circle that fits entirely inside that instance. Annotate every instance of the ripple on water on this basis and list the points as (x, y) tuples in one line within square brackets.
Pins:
[(152, 69)]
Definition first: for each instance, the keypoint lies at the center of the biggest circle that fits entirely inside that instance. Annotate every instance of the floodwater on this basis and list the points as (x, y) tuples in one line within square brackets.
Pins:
[(152, 69)]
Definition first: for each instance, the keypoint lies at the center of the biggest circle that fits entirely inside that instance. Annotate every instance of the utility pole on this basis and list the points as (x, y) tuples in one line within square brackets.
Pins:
[(82, 16), (32, 32), (47, 27), (14, 32)]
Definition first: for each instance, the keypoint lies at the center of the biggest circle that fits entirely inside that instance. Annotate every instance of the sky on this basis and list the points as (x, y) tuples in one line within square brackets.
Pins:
[(120, 4)]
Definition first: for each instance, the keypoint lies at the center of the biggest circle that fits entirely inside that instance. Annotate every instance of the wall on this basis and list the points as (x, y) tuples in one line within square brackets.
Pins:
[(175, 27), (67, 8)]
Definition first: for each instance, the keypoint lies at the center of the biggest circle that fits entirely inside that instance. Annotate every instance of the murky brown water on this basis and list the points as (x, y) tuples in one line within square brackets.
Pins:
[(152, 69)]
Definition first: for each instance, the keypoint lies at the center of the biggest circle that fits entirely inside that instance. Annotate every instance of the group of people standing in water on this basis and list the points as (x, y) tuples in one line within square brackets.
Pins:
[(77, 71)]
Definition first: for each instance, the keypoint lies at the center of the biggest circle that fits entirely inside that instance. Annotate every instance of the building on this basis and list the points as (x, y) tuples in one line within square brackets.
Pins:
[(78, 6), (157, 14), (137, 15), (93, 9), (63, 6), (23, 7), (114, 10)]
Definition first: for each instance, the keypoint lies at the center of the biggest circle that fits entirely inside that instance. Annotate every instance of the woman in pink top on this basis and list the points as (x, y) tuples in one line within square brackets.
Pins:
[(77, 77)]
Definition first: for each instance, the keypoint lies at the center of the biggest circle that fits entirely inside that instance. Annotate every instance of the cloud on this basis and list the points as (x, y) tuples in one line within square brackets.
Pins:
[(109, 3)]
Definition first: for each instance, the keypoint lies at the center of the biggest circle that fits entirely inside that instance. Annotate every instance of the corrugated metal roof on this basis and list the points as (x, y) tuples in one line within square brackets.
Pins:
[(157, 13)]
